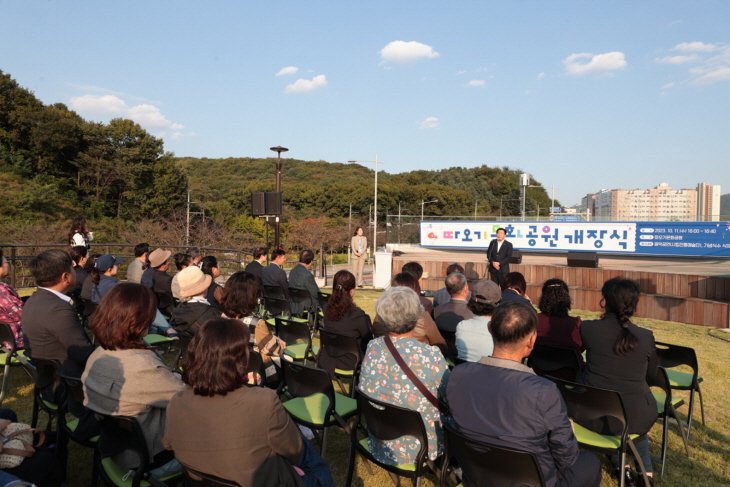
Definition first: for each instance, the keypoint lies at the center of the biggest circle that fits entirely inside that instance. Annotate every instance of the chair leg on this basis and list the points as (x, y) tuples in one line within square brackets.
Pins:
[(36, 408), (690, 411), (640, 463), (622, 466), (702, 404), (351, 464), (681, 430), (665, 431), (342, 386), (395, 479), (324, 441)]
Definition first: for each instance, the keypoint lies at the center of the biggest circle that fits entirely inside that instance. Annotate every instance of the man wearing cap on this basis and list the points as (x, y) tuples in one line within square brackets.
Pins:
[(273, 274), (473, 340), (194, 309), (161, 280), (102, 276)]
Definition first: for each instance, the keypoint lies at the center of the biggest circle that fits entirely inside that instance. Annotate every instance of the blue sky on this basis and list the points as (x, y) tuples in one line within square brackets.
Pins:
[(586, 95)]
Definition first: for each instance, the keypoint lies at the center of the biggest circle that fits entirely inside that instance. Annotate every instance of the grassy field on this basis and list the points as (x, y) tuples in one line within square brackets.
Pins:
[(709, 445)]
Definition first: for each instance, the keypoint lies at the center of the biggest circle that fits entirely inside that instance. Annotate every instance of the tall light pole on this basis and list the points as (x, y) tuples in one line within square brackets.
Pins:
[(424, 203), (278, 150), (375, 212)]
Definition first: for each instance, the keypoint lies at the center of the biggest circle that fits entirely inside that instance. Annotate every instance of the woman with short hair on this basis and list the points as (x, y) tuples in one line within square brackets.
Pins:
[(619, 357), (221, 426), (209, 265), (124, 377), (514, 288), (398, 309)]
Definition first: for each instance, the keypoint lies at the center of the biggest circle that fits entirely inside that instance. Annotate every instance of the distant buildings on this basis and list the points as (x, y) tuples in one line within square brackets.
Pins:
[(659, 203)]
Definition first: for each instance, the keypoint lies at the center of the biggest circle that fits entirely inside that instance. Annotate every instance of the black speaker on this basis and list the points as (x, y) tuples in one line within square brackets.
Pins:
[(273, 203), (258, 204), (582, 259), (516, 257)]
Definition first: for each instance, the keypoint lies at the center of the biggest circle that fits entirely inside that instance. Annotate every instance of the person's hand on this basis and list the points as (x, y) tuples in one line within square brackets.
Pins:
[(496, 265)]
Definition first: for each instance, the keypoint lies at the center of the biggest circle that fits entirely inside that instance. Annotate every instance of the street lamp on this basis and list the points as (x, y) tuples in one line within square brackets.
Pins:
[(424, 203), (375, 213), (278, 150)]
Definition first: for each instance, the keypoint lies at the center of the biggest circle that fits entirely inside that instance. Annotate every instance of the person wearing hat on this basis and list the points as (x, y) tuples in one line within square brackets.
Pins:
[(102, 276), (194, 309), (156, 259), (473, 339)]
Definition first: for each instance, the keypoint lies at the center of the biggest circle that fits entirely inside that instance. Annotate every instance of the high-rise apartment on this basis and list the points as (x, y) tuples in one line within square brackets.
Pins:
[(708, 202)]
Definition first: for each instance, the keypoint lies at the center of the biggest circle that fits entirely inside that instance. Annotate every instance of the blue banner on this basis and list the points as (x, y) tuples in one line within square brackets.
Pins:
[(710, 239)]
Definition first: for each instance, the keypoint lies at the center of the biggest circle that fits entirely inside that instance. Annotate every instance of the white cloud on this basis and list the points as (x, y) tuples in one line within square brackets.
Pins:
[(476, 82), (668, 85), (429, 123), (147, 115), (678, 59), (463, 71), (540, 76), (706, 77), (402, 52), (305, 85), (696, 47), (286, 71), (598, 63)]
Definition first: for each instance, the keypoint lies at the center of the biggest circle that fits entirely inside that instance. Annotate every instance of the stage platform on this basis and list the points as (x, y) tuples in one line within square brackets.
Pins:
[(686, 290)]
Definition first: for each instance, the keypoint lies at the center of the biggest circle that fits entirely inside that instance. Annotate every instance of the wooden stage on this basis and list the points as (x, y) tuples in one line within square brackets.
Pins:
[(685, 290)]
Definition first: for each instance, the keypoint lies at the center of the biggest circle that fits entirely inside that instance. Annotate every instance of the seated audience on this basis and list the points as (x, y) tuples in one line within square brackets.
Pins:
[(257, 264), (161, 280), (79, 255), (620, 356), (155, 259), (383, 379), (209, 266), (426, 330), (240, 301), (11, 306), (416, 270), (343, 317), (498, 400), (274, 274), (448, 316), (442, 296), (61, 338), (514, 288), (195, 255), (194, 309), (88, 285), (136, 268), (239, 433), (181, 262), (124, 377), (473, 340), (102, 276), (555, 327), (300, 277)]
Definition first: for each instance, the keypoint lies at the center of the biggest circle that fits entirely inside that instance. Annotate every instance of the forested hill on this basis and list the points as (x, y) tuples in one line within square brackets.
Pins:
[(316, 188)]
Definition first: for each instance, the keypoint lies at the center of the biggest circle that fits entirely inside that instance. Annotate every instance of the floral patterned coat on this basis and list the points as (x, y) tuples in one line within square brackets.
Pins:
[(382, 379), (11, 308)]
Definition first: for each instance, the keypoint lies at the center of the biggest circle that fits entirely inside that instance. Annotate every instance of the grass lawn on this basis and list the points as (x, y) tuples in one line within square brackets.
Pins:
[(709, 445)]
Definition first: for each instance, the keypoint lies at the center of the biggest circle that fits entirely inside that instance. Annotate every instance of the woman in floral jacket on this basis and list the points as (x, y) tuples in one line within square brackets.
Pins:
[(11, 306)]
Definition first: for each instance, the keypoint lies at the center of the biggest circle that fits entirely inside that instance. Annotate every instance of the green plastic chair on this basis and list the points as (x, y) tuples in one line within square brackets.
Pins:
[(337, 345), (671, 356), (279, 308), (314, 402), (10, 357), (666, 406), (68, 419), (46, 374), (298, 339), (590, 404)]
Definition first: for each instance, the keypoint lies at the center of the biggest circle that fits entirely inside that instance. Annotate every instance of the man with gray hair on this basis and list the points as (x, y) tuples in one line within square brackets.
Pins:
[(524, 411), (448, 316), (441, 296)]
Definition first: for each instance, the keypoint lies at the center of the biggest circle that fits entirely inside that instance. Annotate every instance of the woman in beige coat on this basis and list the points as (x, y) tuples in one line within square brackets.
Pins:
[(359, 247)]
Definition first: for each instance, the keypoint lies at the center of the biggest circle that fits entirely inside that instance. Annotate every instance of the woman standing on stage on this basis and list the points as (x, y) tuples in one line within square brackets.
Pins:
[(359, 246)]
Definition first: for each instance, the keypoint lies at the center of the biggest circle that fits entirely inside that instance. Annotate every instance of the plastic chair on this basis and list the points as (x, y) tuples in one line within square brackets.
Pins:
[(9, 357), (671, 356), (336, 345), (298, 340), (386, 422), (276, 307), (590, 404), (548, 358), (485, 464), (74, 405), (302, 297), (666, 406), (119, 434), (196, 478), (47, 373), (314, 403), (274, 292)]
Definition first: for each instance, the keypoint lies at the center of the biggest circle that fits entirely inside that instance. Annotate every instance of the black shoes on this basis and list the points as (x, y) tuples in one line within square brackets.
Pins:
[(633, 479)]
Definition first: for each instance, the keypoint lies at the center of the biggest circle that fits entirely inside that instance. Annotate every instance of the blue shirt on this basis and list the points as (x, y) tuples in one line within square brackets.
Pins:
[(473, 340)]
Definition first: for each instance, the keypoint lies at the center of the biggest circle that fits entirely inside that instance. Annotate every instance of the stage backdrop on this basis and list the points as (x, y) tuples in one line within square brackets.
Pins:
[(709, 239)]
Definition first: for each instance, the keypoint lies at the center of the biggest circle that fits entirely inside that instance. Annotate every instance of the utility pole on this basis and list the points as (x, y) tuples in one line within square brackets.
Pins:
[(278, 150), (188, 213)]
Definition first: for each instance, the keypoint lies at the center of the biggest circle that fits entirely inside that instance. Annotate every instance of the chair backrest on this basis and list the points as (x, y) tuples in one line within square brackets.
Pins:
[(196, 478), (292, 331), (487, 464), (387, 422), (75, 395), (671, 356), (6, 336), (256, 365), (277, 306), (323, 298), (46, 371), (336, 345), (274, 292), (589, 404), (121, 433), (661, 380), (302, 381), (300, 296), (549, 358)]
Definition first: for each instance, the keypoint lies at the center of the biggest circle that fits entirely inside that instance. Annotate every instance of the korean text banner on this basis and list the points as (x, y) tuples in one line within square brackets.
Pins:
[(656, 238)]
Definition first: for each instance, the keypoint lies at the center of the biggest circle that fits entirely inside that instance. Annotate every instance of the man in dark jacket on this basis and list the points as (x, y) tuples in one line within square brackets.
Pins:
[(301, 278), (257, 264), (273, 274), (499, 253), (51, 327), (524, 411)]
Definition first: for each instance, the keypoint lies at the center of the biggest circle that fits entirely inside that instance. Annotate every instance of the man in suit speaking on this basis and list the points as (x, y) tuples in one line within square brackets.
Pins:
[(499, 253)]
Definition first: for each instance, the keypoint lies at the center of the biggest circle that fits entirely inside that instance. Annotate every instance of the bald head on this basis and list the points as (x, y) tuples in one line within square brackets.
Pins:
[(513, 325)]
